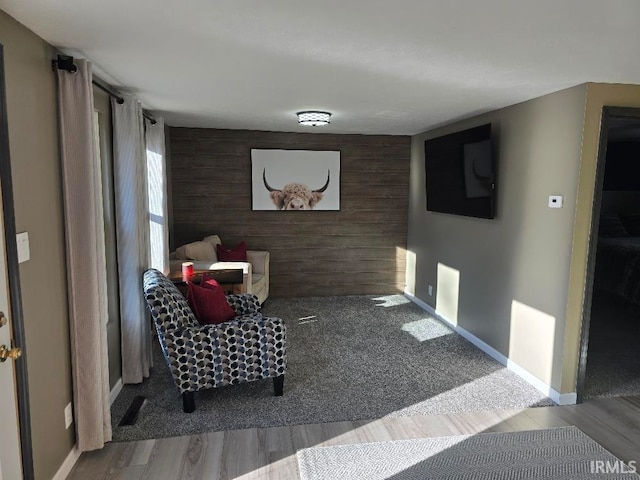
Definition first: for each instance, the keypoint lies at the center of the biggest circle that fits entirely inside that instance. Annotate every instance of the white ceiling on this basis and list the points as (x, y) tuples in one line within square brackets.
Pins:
[(381, 67)]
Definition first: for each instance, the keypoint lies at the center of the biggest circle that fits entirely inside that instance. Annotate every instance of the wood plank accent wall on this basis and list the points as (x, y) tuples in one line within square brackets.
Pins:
[(357, 250)]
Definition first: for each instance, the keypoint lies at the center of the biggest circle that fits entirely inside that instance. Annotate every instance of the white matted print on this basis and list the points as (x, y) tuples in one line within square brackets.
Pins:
[(295, 180)]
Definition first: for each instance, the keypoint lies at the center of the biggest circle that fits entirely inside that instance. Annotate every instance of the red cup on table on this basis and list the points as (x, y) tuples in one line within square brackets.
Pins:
[(187, 269)]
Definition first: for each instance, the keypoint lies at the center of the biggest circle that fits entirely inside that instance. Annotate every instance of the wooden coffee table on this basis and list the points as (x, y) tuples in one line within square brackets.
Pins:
[(228, 277)]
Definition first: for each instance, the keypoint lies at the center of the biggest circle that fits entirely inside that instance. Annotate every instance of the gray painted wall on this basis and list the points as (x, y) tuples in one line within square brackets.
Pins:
[(33, 138), (506, 280)]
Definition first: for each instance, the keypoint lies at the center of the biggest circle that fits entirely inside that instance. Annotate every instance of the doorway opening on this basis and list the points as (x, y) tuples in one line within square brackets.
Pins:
[(610, 358)]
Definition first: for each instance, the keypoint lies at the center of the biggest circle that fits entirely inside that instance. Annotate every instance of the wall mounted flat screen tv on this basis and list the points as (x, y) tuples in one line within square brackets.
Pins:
[(460, 173)]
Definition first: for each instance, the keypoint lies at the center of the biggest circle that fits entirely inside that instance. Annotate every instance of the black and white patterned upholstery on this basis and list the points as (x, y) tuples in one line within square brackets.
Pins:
[(248, 347)]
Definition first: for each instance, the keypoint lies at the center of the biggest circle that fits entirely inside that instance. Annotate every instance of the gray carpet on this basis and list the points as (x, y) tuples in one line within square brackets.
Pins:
[(349, 358), (613, 357), (559, 453)]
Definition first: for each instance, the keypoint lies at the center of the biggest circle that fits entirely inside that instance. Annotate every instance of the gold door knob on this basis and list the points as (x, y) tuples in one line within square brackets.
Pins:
[(12, 353)]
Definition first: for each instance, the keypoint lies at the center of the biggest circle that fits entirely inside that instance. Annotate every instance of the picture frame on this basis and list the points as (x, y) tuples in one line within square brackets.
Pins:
[(285, 180)]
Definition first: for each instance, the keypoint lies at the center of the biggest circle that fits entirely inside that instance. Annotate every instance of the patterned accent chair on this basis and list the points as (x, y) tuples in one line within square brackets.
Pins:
[(249, 347)]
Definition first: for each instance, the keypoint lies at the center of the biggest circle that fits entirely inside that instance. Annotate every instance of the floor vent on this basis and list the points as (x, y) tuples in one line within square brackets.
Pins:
[(131, 416)]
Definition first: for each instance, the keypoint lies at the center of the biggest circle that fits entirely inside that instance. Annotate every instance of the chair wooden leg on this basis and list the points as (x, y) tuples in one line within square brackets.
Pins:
[(278, 385), (188, 402)]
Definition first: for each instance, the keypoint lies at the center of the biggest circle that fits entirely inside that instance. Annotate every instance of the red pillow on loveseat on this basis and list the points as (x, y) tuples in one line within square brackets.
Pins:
[(209, 303), (236, 254)]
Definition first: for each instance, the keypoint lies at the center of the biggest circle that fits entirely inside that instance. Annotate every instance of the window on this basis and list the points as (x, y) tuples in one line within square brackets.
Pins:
[(156, 188)]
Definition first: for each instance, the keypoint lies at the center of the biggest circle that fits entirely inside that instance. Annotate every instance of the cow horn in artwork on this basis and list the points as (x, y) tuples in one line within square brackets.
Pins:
[(266, 184), (326, 184)]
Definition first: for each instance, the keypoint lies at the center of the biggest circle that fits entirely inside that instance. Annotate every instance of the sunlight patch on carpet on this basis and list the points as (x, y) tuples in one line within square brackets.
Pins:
[(426, 329), (391, 300), (481, 390)]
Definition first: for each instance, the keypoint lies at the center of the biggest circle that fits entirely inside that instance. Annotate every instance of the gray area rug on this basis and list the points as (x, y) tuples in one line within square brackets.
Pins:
[(348, 358), (560, 453)]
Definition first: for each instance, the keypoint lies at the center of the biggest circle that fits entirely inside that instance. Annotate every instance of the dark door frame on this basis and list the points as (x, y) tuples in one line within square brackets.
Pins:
[(607, 114), (15, 295)]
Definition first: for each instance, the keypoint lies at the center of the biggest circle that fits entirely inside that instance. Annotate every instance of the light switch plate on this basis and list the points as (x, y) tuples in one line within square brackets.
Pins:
[(22, 239), (555, 201)]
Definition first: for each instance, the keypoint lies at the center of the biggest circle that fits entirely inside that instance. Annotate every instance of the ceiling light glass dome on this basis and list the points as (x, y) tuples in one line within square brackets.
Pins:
[(313, 118)]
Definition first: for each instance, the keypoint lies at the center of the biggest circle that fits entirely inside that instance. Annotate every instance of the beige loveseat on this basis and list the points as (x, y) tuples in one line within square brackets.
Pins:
[(203, 255)]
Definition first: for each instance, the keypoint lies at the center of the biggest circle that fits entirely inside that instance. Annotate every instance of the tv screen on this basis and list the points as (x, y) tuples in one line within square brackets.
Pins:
[(460, 173)]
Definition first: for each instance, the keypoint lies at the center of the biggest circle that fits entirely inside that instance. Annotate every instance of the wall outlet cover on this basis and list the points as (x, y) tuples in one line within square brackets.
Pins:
[(68, 415)]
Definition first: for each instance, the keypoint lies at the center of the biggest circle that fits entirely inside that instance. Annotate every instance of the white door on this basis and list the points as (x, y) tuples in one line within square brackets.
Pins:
[(10, 463)]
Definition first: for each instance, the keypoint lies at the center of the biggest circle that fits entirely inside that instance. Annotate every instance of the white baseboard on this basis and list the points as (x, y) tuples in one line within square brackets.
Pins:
[(557, 397), (66, 467), (115, 391), (74, 454)]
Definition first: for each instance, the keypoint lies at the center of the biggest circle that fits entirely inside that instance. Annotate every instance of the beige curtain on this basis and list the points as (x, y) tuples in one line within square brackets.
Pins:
[(132, 236), (86, 274)]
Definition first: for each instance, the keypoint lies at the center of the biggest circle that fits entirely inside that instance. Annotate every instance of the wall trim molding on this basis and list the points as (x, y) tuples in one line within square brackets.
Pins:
[(115, 391), (557, 397), (68, 464), (74, 454)]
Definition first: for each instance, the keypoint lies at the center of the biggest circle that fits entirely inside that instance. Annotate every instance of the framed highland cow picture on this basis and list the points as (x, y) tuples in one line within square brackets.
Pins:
[(295, 179)]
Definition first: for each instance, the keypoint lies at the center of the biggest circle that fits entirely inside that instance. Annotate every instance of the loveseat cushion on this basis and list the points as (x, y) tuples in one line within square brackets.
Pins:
[(200, 251), (258, 282), (213, 240)]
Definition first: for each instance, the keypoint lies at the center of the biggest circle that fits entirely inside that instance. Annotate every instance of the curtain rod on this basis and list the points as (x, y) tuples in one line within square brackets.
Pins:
[(65, 62)]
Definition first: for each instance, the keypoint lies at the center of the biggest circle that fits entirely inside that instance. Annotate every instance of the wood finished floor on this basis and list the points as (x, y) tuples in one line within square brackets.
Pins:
[(270, 453)]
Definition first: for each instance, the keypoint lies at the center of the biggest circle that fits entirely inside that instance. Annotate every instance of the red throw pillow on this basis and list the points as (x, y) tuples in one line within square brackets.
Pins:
[(236, 254), (209, 303)]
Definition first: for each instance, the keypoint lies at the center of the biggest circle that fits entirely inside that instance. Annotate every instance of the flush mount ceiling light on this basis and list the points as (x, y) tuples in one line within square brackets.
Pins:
[(313, 118)]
